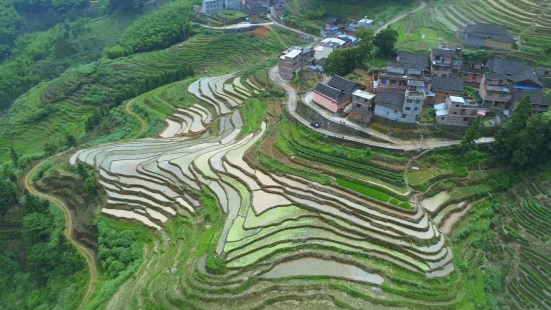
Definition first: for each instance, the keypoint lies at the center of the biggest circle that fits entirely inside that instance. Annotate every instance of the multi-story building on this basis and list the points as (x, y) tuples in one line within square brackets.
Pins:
[(326, 47), (213, 6), (405, 107), (458, 111), (445, 86), (472, 73), (494, 91), (521, 76), (407, 67), (446, 61), (362, 106), (291, 60)]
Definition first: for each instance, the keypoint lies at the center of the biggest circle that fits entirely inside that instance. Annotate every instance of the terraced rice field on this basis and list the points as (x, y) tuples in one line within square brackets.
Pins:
[(528, 19), (278, 229)]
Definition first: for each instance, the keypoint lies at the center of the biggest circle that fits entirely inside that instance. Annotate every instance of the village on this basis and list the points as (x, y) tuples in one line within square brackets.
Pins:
[(439, 87)]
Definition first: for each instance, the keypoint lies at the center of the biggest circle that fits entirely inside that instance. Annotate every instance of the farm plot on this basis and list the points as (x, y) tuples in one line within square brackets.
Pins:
[(269, 218)]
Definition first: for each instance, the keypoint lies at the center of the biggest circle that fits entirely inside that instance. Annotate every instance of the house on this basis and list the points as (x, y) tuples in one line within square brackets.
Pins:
[(362, 106), (494, 91), (522, 76), (213, 6), (276, 11), (458, 111), (326, 47), (487, 35), (406, 107), (354, 26), (542, 72), (472, 73), (444, 86), (331, 22), (406, 67), (255, 7), (445, 61), (350, 41), (540, 101), (292, 60), (331, 26), (336, 94)]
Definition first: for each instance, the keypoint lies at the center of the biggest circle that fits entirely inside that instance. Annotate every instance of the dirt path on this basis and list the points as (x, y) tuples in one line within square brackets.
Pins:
[(68, 232), (396, 19), (28, 184)]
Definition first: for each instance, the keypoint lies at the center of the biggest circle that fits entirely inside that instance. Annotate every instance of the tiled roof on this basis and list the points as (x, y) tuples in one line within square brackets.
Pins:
[(447, 85), (490, 31), (390, 100), (342, 84)]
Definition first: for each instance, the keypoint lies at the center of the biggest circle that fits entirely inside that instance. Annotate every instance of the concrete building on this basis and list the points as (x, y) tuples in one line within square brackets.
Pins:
[(336, 94), (213, 6), (255, 7), (326, 47), (276, 11), (472, 73), (446, 61), (487, 35), (362, 107), (354, 26), (458, 111), (406, 107), (291, 60)]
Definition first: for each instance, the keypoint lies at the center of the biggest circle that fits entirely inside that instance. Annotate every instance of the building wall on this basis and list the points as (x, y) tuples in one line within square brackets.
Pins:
[(232, 4), (210, 7), (387, 113), (324, 53), (470, 77), (328, 103), (288, 66), (455, 120), (499, 45)]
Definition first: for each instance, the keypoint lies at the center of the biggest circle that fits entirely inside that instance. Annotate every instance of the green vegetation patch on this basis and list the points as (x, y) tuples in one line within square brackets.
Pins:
[(369, 192), (254, 112)]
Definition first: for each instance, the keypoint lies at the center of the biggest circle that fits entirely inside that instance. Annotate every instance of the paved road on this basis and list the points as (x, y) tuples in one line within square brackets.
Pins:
[(393, 144), (396, 19), (234, 26)]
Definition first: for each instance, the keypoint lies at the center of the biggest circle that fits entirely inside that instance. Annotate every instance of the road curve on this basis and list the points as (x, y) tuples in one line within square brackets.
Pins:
[(393, 144), (68, 231), (398, 18)]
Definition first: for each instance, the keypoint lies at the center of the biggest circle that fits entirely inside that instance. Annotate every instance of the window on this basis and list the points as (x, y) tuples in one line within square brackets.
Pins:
[(409, 101), (454, 112), (463, 110), (358, 105), (503, 95), (408, 108), (383, 81), (403, 116), (416, 109), (457, 106), (443, 117), (392, 82), (465, 119)]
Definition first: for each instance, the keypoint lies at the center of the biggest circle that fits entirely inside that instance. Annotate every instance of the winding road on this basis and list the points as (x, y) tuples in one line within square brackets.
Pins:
[(391, 142), (398, 18), (68, 231), (28, 184)]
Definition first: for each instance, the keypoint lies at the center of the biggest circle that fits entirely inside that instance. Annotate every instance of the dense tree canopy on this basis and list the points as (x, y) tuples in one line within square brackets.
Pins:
[(385, 41), (343, 61), (525, 141)]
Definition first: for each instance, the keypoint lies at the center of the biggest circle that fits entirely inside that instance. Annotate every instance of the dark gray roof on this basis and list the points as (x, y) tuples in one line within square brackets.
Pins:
[(411, 61), (332, 20), (535, 97), (416, 83), (390, 100), (507, 66), (490, 31), (516, 70), (446, 52), (447, 85), (343, 84), (333, 93), (496, 76)]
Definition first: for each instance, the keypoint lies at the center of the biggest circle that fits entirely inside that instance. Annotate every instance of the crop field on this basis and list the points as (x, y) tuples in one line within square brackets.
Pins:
[(530, 20), (60, 107)]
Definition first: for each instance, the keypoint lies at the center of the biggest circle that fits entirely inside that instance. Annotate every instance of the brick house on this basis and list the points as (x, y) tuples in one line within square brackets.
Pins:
[(458, 111), (292, 59), (407, 67), (362, 107), (445, 61), (472, 73), (444, 86), (494, 91), (336, 94)]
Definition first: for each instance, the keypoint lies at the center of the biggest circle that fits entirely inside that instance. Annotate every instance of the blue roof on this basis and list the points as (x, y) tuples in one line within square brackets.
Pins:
[(526, 87)]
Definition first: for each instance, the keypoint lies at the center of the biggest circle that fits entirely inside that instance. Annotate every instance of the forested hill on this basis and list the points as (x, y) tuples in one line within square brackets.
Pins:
[(39, 40)]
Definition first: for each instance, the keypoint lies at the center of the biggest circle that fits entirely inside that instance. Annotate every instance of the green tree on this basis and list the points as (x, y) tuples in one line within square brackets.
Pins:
[(473, 133), (385, 41), (509, 136), (70, 141)]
